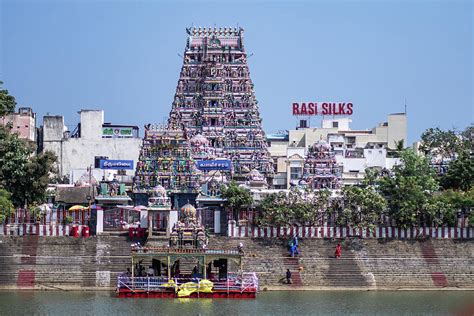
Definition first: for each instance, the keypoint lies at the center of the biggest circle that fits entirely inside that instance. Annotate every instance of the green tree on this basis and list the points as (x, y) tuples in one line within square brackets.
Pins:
[(302, 206), (460, 174), (6, 205), (438, 211), (274, 210), (14, 153), (236, 197), (25, 176), (408, 187), (38, 170), (22, 174), (7, 102), (371, 176), (308, 206), (400, 145), (458, 199), (446, 144), (361, 206)]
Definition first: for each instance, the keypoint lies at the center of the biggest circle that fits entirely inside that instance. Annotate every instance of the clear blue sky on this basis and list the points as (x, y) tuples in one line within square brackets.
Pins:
[(61, 56)]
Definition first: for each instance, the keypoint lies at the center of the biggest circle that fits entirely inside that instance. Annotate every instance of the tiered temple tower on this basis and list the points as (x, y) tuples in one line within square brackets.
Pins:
[(320, 169), (214, 120), (215, 101)]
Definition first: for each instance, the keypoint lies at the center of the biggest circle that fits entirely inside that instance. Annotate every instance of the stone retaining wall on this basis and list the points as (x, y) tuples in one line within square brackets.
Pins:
[(366, 264), (67, 263)]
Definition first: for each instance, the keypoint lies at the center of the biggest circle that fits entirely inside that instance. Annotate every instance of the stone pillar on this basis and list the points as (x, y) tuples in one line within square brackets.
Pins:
[(144, 218), (100, 222), (172, 219), (150, 224), (217, 222), (232, 228)]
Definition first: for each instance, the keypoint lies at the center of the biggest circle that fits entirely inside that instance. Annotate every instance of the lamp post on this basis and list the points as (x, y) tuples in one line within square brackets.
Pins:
[(89, 209), (91, 195)]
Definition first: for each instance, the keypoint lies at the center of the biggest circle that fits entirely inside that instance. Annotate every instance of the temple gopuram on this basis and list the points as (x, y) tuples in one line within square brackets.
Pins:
[(215, 99), (320, 168), (213, 135)]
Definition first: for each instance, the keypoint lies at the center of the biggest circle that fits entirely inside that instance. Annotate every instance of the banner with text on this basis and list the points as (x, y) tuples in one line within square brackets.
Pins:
[(116, 164), (206, 165)]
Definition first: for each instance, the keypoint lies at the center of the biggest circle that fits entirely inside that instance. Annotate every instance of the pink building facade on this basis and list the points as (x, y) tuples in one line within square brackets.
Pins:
[(22, 122)]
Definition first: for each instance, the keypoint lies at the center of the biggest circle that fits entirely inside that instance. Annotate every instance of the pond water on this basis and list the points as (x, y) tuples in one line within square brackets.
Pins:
[(267, 303)]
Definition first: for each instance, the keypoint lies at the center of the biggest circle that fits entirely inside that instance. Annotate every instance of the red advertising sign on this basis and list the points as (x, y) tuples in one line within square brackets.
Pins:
[(322, 108)]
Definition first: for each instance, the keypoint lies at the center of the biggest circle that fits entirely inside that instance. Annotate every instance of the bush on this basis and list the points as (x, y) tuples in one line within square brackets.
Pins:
[(67, 220)]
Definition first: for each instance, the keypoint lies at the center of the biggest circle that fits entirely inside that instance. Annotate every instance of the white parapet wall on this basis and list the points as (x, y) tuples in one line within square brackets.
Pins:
[(349, 232)]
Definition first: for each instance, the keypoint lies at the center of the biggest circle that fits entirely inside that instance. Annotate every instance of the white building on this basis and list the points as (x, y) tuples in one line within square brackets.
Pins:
[(92, 138), (356, 150)]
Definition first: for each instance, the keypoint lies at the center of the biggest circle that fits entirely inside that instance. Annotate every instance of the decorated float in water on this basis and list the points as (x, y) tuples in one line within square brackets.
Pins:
[(187, 272)]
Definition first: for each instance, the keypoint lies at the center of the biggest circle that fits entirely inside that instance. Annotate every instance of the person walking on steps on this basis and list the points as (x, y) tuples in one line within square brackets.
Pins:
[(338, 251), (288, 276)]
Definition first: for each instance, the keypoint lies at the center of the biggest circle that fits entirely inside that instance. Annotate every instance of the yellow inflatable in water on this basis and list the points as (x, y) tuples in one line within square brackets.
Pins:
[(205, 286), (169, 284), (186, 289)]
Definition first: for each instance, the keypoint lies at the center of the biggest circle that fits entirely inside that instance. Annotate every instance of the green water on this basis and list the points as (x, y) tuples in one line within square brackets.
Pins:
[(267, 303)]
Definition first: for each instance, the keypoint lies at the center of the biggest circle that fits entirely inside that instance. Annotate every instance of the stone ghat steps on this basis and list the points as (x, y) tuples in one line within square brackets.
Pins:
[(56, 261), (269, 258), (364, 263)]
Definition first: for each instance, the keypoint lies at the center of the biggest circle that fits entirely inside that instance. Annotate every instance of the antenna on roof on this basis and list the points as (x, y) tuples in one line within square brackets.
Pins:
[(405, 106)]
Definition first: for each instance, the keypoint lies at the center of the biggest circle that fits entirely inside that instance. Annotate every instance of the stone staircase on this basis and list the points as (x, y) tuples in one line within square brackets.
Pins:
[(62, 262), (431, 258), (395, 264), (365, 264), (76, 263), (293, 264)]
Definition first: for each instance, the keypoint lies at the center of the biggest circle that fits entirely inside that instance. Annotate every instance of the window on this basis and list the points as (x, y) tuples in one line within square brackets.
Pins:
[(295, 173), (335, 124)]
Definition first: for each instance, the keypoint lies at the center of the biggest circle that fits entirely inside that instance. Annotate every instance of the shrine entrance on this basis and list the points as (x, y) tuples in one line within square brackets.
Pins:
[(120, 219), (207, 218), (159, 222)]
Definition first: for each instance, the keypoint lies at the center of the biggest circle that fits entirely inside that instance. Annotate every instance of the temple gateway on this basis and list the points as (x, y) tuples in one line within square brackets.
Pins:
[(213, 135)]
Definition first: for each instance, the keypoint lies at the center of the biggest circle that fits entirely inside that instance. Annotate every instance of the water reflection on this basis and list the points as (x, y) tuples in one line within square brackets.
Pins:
[(267, 303)]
